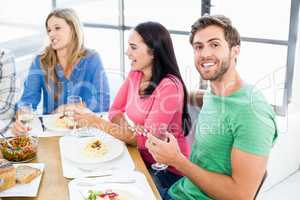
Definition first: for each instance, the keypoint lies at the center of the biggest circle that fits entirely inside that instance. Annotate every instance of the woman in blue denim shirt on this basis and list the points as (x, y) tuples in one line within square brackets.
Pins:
[(65, 68)]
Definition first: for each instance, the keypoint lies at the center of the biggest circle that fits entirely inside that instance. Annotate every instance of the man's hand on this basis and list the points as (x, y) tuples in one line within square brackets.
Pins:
[(19, 129), (164, 152)]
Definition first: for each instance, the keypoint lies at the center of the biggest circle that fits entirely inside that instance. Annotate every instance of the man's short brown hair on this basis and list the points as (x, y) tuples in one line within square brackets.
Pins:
[(231, 35)]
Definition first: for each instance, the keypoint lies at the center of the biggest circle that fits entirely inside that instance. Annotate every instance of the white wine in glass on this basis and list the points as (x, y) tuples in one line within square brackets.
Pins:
[(25, 114), (72, 102)]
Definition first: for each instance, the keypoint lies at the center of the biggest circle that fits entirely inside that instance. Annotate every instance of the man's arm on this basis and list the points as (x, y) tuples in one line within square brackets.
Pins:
[(247, 171), (7, 85)]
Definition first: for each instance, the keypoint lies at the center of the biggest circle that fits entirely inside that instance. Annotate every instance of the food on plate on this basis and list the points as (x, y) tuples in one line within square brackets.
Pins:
[(25, 174), (7, 175), (20, 148), (95, 148), (10, 175), (109, 194)]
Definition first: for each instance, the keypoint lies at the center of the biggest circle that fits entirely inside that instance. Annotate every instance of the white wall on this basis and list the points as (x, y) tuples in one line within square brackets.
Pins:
[(285, 156)]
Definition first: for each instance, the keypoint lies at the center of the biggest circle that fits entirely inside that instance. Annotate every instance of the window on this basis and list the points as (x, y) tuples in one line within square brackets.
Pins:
[(268, 30), (264, 66), (167, 12), (260, 19), (185, 58), (269, 34), (14, 12), (21, 24), (99, 11), (106, 42)]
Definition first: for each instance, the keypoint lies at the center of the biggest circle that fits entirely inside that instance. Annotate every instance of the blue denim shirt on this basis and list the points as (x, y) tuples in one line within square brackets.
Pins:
[(88, 80)]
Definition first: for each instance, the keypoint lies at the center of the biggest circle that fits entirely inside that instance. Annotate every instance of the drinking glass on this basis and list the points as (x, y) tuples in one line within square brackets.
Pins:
[(131, 124), (160, 134), (25, 114), (73, 101)]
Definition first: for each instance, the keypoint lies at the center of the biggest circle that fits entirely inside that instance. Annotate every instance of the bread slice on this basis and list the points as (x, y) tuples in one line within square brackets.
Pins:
[(25, 174), (7, 175)]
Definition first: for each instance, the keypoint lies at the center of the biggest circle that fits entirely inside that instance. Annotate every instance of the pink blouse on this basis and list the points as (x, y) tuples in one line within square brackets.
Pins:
[(164, 106)]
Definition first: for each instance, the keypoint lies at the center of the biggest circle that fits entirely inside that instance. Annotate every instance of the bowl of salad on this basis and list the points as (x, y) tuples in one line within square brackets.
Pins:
[(20, 148)]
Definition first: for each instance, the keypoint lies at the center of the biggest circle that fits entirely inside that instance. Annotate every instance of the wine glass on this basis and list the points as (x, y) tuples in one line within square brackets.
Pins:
[(161, 134), (131, 124), (73, 101), (25, 114)]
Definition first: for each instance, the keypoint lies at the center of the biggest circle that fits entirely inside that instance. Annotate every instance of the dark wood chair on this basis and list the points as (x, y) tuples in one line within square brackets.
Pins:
[(260, 185)]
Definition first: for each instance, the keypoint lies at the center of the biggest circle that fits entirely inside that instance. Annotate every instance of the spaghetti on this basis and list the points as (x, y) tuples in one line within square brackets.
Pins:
[(95, 149)]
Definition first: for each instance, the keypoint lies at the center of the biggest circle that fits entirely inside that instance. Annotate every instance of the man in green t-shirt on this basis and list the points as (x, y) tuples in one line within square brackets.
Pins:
[(236, 127)]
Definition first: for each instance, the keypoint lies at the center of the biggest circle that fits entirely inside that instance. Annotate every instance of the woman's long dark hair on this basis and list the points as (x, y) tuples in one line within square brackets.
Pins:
[(158, 39)]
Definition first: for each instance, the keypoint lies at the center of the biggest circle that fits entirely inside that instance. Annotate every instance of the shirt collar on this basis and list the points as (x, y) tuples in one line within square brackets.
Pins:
[(60, 72)]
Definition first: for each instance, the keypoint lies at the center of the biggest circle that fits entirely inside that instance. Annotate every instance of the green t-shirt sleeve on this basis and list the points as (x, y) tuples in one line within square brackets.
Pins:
[(254, 130)]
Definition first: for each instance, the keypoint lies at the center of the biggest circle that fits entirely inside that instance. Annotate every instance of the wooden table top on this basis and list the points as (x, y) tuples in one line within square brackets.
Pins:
[(54, 185)]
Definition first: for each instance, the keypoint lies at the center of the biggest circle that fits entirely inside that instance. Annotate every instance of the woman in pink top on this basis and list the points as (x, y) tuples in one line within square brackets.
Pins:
[(153, 96)]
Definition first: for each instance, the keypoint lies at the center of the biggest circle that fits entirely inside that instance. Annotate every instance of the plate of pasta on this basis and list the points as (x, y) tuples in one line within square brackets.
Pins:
[(91, 150)]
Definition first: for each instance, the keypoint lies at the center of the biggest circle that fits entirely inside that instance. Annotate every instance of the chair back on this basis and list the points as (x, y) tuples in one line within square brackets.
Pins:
[(194, 112)]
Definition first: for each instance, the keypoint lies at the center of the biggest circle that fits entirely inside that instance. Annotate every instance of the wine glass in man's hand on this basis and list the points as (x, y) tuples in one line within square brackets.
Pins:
[(162, 135)]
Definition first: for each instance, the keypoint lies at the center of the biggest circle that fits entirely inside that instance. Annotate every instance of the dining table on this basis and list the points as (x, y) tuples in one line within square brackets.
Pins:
[(54, 186)]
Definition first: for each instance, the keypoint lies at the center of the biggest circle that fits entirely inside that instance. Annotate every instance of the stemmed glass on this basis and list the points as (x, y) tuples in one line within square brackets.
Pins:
[(25, 114), (162, 135), (131, 124), (73, 101)]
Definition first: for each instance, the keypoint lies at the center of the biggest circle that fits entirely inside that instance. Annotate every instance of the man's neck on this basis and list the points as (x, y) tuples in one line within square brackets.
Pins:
[(228, 84)]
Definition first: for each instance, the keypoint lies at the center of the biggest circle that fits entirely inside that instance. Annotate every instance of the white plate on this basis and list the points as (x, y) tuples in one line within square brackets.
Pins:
[(72, 170), (125, 191), (140, 187), (25, 190), (51, 124), (73, 149)]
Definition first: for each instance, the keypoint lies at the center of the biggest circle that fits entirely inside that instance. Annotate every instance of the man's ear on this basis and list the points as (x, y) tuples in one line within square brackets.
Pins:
[(235, 50)]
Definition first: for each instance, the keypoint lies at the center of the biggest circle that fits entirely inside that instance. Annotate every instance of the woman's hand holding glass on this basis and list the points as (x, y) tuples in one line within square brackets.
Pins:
[(135, 128), (73, 103), (84, 117)]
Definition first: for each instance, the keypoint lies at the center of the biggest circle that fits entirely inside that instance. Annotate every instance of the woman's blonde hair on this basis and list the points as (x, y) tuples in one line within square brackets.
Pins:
[(76, 49)]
